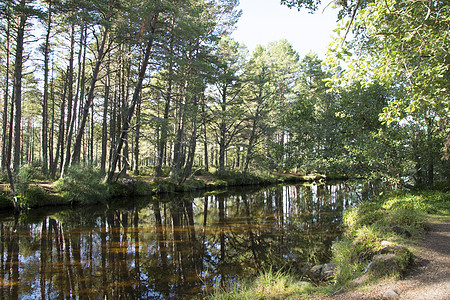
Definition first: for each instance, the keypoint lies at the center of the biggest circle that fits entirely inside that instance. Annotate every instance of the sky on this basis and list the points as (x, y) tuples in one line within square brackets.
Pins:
[(265, 21)]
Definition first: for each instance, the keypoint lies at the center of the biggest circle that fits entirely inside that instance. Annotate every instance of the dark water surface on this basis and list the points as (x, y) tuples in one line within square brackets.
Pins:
[(170, 248)]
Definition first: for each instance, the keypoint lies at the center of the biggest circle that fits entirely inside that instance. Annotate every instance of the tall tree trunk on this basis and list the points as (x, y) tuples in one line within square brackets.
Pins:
[(192, 145), (430, 151), (105, 123), (91, 145), (165, 123), (251, 141), (205, 141), (75, 158), (69, 127), (52, 125), (5, 161), (81, 82), (112, 125), (126, 63), (164, 127), (17, 88), (136, 138), (177, 151), (134, 100), (59, 146), (44, 136), (223, 130)]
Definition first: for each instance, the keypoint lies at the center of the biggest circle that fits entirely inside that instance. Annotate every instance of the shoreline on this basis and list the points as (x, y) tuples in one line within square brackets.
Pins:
[(45, 193)]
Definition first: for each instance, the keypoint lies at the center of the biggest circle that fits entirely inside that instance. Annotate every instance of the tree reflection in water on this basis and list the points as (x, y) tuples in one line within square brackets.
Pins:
[(169, 249)]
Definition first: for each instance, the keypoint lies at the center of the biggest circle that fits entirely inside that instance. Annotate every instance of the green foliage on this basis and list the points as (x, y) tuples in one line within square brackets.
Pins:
[(269, 284), (346, 268), (22, 180), (399, 43), (167, 185), (34, 196), (83, 184), (366, 242)]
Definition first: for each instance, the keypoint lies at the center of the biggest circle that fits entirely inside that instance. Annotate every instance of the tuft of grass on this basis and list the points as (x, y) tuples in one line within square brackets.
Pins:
[(83, 184), (269, 284)]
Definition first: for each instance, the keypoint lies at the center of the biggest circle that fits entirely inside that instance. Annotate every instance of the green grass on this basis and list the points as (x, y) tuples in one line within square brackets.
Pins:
[(268, 284)]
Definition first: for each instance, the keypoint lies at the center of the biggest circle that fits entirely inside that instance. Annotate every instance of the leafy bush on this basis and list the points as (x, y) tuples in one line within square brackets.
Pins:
[(33, 196), (84, 185), (22, 180)]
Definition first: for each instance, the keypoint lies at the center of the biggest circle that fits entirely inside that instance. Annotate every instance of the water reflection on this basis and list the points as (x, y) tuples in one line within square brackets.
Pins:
[(170, 249)]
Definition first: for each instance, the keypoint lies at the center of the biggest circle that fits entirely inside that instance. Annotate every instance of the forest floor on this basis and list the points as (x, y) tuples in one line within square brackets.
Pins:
[(429, 277)]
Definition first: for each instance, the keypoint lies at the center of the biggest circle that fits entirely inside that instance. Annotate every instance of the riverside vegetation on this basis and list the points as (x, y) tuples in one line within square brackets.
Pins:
[(85, 185), (389, 225)]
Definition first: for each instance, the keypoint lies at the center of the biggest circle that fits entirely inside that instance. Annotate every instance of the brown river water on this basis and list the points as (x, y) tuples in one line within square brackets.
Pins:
[(171, 247)]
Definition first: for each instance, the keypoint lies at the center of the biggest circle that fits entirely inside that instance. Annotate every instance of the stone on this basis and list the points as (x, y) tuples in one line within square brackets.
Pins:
[(323, 271), (391, 294), (316, 271), (384, 264)]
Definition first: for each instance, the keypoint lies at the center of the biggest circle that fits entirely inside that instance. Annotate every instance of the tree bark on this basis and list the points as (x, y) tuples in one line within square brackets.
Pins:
[(134, 100), (223, 130), (44, 136), (136, 138), (17, 88), (75, 157), (5, 161), (205, 141), (69, 127), (164, 127), (105, 123), (59, 149), (192, 145)]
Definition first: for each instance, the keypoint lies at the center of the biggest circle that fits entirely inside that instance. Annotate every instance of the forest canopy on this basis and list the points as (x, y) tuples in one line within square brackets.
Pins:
[(160, 88)]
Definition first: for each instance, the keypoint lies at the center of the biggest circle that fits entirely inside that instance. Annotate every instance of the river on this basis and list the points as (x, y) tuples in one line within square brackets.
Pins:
[(170, 247)]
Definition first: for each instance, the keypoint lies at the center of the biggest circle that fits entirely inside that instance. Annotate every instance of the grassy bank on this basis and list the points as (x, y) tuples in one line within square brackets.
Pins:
[(87, 186), (389, 226)]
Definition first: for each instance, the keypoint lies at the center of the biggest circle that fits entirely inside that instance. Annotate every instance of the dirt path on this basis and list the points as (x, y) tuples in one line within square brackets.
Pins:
[(428, 279)]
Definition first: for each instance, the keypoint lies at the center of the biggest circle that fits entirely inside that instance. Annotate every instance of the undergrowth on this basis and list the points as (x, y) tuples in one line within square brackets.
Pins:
[(83, 185)]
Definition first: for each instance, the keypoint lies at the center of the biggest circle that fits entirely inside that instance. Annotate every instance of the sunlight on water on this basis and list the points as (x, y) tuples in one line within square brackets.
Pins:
[(170, 249)]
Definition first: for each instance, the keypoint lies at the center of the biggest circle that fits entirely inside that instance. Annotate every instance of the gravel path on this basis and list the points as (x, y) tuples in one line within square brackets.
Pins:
[(428, 279)]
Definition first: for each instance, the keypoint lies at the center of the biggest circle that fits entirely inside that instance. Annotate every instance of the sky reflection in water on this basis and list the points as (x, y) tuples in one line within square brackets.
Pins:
[(170, 249)]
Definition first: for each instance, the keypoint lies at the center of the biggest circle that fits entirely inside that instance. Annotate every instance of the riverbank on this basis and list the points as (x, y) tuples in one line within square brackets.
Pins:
[(87, 186), (429, 276), (395, 246)]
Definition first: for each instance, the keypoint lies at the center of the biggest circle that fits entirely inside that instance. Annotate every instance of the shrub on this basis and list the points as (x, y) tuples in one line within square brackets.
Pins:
[(33, 196), (84, 185), (22, 180)]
